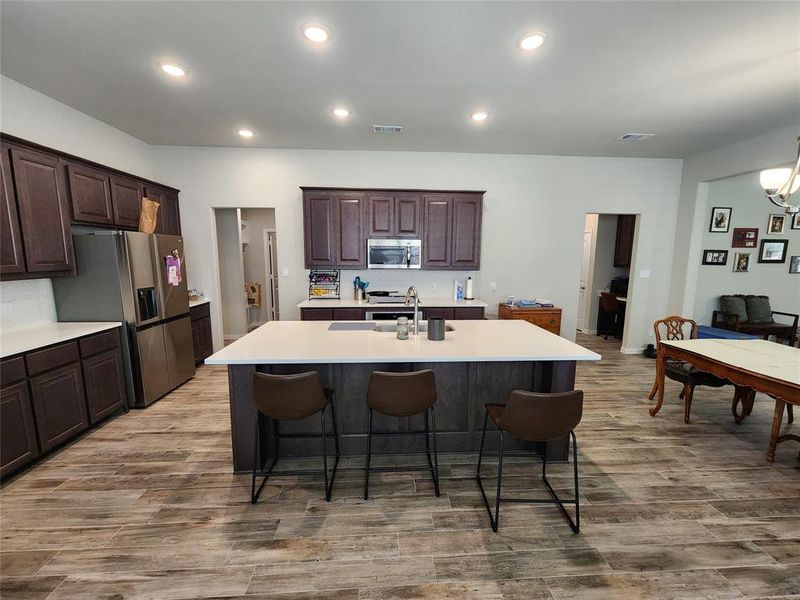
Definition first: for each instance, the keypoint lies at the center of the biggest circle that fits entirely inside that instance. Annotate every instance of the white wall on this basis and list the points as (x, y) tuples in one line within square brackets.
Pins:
[(532, 224), (750, 209), (28, 114), (776, 148)]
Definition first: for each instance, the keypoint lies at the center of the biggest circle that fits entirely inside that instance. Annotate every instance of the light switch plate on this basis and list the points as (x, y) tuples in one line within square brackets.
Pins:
[(644, 274), (285, 272)]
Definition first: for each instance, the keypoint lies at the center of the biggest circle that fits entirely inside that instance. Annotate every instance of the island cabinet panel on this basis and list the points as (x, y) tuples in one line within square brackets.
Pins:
[(90, 194), (466, 235), (59, 403), (436, 242), (12, 260), (318, 223), (105, 384), (408, 215), (126, 199), (43, 211), (380, 215), (18, 445), (349, 237)]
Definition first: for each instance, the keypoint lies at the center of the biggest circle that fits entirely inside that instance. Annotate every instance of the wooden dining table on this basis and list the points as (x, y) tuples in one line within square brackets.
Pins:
[(751, 365)]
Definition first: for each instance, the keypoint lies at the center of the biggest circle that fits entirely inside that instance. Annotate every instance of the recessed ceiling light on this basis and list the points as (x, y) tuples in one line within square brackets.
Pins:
[(246, 133), (316, 32), (341, 112), (173, 69), (531, 41), (481, 115)]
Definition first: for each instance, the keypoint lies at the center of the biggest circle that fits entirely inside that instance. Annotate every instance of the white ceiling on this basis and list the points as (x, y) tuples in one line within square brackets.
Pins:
[(698, 74)]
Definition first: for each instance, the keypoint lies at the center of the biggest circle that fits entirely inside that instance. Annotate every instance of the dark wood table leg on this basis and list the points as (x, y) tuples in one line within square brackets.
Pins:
[(777, 421), (660, 371)]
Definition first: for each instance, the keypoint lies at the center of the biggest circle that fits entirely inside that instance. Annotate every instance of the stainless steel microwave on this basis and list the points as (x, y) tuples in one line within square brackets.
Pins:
[(394, 254)]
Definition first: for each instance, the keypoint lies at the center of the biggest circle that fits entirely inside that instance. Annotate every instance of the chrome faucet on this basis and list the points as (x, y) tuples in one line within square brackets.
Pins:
[(412, 293)]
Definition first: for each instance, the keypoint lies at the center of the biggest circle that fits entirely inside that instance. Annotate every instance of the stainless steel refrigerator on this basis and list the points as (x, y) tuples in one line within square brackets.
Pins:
[(140, 279)]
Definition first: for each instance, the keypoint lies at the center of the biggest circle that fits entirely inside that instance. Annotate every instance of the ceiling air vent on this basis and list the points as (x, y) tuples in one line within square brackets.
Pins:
[(634, 137), (387, 129)]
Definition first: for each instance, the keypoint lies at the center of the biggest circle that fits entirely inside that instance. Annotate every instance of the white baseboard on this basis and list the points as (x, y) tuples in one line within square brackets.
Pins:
[(588, 331), (636, 350)]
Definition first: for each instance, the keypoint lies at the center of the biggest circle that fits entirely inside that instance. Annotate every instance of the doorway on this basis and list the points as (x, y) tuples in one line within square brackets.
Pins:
[(606, 260), (247, 268)]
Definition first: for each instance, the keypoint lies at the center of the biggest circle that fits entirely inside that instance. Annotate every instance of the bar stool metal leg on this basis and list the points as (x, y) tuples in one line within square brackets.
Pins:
[(435, 467), (369, 455), (254, 494), (575, 525)]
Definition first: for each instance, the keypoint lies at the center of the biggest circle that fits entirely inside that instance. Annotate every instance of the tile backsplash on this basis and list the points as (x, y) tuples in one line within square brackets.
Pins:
[(26, 302)]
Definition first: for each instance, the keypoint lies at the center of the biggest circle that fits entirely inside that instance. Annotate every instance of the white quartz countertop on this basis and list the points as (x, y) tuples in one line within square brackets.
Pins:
[(199, 301), (309, 342), (23, 339), (423, 301)]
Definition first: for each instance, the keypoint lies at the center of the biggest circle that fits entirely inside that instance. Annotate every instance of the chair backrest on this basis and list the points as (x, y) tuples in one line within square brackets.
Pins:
[(401, 394), (609, 302), (674, 328), (288, 397), (538, 417)]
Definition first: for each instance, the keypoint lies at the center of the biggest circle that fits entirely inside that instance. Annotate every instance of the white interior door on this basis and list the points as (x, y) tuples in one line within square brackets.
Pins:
[(585, 268)]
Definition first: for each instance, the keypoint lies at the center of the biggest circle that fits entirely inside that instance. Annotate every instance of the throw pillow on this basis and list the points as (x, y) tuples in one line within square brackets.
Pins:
[(735, 305), (758, 309)]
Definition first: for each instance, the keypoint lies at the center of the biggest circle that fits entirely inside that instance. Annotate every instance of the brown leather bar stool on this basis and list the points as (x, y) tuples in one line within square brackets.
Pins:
[(535, 417), (403, 395), (291, 398)]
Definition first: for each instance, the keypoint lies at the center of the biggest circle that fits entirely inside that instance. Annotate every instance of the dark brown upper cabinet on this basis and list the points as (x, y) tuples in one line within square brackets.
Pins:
[(90, 193), (466, 232), (408, 215), (318, 223), (436, 241), (126, 199), (171, 213), (623, 250), (380, 215), (337, 223), (43, 211), (349, 240), (12, 260)]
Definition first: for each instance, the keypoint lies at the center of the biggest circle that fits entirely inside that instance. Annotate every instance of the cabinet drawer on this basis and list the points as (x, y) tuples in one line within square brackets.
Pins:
[(316, 314), (50, 358), (469, 313), (101, 342), (200, 311), (348, 314), (12, 370), (440, 312)]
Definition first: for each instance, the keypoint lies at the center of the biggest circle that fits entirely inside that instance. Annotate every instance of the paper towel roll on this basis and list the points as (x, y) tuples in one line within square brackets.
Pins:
[(469, 293), (455, 289)]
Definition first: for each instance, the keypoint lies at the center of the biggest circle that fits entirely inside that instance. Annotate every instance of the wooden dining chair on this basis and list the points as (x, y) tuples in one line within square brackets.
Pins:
[(677, 328)]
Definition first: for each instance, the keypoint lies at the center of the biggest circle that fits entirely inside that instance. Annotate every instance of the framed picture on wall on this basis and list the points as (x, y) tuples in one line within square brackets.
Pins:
[(773, 251), (794, 264), (720, 219), (741, 262), (745, 237), (776, 223), (715, 257), (796, 221)]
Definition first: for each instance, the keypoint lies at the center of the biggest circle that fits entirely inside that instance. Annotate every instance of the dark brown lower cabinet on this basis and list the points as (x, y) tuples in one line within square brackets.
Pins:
[(104, 381), (59, 403), (18, 444), (201, 332), (441, 312), (357, 314), (316, 314), (469, 313)]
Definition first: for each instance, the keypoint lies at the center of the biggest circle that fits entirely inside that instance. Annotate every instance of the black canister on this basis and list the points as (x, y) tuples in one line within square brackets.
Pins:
[(436, 329)]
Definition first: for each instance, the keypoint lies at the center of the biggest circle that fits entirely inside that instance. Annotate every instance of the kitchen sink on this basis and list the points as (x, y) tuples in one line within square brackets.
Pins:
[(423, 327)]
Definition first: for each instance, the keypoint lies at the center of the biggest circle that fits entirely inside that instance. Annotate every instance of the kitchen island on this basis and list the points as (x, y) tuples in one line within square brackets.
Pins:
[(477, 362)]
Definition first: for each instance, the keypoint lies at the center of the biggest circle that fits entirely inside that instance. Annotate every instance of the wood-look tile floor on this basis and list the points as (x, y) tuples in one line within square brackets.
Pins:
[(146, 507)]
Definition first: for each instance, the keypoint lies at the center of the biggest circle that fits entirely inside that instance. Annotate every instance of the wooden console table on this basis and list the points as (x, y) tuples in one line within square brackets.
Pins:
[(756, 365), (548, 318)]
